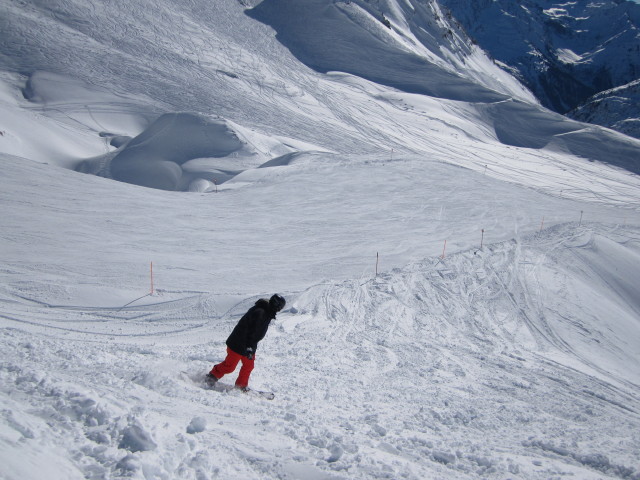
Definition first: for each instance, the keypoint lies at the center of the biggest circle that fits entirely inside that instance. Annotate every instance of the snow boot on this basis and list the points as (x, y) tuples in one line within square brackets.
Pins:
[(211, 379)]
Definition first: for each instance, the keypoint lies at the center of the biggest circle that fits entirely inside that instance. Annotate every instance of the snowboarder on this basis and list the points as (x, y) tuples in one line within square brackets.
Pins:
[(243, 341)]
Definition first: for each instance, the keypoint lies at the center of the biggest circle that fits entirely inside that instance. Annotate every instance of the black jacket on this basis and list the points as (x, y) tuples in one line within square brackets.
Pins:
[(251, 328)]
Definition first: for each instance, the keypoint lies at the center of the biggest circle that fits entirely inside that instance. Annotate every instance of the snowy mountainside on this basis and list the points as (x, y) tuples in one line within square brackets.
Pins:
[(565, 52), (461, 265), (195, 56), (505, 359), (221, 64), (616, 108), (406, 45)]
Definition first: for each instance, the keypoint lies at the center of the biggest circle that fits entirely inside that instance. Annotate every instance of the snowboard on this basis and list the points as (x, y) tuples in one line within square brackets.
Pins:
[(224, 387)]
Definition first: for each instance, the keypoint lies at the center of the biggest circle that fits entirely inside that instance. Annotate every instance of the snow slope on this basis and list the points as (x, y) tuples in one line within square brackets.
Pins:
[(220, 63), (498, 339), (519, 359), (363, 45)]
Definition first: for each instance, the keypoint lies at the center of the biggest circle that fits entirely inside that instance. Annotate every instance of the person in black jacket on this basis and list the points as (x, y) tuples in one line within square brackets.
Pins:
[(243, 341)]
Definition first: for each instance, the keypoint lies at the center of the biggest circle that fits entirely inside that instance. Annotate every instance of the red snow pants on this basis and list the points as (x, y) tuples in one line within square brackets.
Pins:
[(229, 365)]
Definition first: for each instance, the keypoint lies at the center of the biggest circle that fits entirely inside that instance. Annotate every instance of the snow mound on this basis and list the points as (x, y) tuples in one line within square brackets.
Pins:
[(26, 131), (75, 102), (188, 151), (574, 291)]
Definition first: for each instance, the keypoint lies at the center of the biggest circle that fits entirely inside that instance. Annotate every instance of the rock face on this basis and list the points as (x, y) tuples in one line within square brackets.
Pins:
[(617, 108), (565, 52)]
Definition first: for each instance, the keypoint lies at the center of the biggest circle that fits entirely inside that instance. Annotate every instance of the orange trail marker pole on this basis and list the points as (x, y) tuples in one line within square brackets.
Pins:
[(444, 249)]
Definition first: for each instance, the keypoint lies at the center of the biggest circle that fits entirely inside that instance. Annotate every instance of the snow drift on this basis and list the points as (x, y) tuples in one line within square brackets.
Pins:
[(183, 151)]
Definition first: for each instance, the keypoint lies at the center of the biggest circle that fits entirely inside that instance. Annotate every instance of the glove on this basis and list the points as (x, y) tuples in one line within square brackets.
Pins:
[(250, 353)]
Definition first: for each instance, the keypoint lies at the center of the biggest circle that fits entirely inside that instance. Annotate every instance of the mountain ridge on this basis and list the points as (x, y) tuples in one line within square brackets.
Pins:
[(563, 52)]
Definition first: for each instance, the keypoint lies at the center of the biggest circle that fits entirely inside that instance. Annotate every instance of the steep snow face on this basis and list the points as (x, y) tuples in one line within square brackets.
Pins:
[(564, 52), (616, 108), (414, 49)]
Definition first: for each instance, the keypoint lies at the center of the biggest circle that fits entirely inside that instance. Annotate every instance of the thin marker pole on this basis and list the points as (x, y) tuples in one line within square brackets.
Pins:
[(151, 278), (444, 249), (542, 224)]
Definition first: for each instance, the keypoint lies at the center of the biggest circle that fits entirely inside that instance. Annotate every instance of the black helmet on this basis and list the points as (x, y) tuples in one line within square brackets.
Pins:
[(277, 302)]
